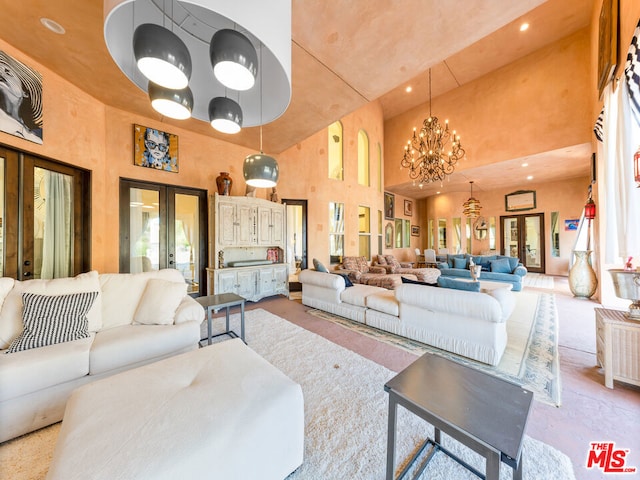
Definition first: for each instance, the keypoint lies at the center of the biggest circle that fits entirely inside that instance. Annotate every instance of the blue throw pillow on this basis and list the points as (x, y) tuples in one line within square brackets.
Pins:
[(417, 282), (501, 266), (319, 266), (513, 262), (347, 280), (460, 263), (485, 266), (446, 282)]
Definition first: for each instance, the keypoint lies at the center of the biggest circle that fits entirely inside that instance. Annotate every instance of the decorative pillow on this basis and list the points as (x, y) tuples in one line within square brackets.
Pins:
[(51, 319), (485, 266), (451, 257), (395, 264), (380, 260), (363, 264), (159, 302), (319, 266), (460, 263), (347, 281), (500, 266), (350, 263), (513, 262), (458, 284), (418, 282)]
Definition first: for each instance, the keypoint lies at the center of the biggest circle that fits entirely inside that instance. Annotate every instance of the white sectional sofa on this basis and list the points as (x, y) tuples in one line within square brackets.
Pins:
[(134, 319), (471, 324)]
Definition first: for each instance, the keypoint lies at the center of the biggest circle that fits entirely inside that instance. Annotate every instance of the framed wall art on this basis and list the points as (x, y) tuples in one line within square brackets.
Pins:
[(415, 230), (388, 236), (155, 149), (607, 43), (389, 206), (408, 208), (520, 200), (20, 99)]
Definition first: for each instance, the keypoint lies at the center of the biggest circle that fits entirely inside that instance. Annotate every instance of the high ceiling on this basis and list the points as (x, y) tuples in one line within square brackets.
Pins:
[(345, 53)]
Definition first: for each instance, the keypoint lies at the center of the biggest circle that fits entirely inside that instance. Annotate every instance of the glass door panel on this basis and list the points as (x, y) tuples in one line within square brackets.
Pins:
[(510, 236), (523, 237), (144, 230), (53, 225), (186, 235), (533, 260)]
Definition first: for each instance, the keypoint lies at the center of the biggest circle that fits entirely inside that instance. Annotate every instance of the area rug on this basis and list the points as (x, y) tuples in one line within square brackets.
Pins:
[(538, 280), (530, 359), (345, 416)]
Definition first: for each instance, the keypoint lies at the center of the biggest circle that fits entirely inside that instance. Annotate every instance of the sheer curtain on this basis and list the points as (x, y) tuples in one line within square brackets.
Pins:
[(58, 226), (621, 138)]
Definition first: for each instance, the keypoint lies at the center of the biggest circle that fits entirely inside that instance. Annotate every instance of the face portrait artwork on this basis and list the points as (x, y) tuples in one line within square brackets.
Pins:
[(20, 99), (155, 149)]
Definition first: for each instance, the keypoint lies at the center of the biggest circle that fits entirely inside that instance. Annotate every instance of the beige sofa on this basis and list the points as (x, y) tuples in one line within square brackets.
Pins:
[(359, 271), (392, 266), (134, 319), (471, 324)]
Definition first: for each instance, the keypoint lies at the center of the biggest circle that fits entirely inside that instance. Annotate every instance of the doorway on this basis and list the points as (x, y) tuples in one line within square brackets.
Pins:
[(523, 237), (296, 240), (163, 226), (44, 217)]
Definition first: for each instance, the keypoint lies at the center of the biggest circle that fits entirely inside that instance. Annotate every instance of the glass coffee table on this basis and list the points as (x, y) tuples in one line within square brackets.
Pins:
[(486, 414), (213, 303)]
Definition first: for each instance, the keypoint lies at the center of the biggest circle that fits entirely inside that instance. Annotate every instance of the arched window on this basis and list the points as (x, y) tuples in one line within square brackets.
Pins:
[(363, 159), (334, 150)]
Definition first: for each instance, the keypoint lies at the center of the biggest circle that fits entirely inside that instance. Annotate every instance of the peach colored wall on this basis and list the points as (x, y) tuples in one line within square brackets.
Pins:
[(538, 101), (304, 175), (566, 197)]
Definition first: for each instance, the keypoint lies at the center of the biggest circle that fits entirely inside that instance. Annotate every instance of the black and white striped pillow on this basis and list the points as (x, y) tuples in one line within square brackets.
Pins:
[(51, 319)]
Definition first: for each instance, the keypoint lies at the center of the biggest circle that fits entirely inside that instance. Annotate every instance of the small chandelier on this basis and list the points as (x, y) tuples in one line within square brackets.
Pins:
[(425, 155), (471, 208)]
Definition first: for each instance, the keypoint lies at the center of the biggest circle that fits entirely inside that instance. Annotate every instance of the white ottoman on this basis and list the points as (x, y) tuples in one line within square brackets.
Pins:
[(218, 412)]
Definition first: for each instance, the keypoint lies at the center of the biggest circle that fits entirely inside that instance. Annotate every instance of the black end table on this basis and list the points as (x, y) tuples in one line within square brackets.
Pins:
[(213, 303), (485, 413)]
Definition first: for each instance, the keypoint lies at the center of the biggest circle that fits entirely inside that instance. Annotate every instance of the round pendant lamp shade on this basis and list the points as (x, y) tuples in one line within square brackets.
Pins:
[(171, 103), (161, 56), (234, 59), (225, 115), (260, 170)]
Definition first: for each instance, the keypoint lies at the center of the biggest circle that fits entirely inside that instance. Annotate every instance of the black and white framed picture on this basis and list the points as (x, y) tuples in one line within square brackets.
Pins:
[(20, 99)]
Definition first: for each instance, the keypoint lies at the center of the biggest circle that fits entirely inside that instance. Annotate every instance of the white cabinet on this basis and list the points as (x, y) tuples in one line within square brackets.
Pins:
[(244, 233)]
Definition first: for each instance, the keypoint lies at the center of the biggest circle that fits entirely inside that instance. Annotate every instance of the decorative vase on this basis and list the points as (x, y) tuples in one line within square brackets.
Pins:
[(582, 279), (224, 183)]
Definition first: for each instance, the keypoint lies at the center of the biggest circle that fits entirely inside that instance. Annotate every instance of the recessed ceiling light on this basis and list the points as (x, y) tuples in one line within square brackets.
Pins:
[(52, 25), (525, 164), (438, 193), (408, 89), (530, 177), (524, 26)]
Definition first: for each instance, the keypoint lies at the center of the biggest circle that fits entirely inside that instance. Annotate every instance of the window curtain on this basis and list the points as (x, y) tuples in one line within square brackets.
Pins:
[(618, 128), (58, 226)]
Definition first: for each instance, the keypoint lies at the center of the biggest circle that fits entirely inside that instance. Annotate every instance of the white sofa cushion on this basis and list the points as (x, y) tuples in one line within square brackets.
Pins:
[(357, 295), (189, 311), (159, 302), (121, 293), (384, 302), (118, 347), (11, 313), (32, 370)]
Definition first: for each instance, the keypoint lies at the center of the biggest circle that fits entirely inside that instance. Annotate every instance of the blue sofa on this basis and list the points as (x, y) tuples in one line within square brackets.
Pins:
[(496, 268)]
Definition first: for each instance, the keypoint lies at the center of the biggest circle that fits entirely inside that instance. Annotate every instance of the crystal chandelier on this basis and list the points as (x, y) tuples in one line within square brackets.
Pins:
[(425, 154), (471, 208)]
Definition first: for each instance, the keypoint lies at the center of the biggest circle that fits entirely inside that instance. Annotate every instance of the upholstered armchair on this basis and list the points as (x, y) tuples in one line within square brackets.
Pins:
[(389, 263), (355, 267), (392, 265)]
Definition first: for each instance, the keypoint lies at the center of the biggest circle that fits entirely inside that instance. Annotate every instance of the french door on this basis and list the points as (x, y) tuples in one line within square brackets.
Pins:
[(44, 217), (163, 226), (296, 240), (523, 237)]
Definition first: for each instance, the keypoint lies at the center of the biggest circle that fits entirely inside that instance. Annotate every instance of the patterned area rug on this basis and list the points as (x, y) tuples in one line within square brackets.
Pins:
[(530, 359)]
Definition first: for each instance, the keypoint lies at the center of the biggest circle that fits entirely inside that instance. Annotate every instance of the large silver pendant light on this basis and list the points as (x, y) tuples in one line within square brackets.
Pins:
[(171, 103), (161, 56), (234, 59), (225, 115)]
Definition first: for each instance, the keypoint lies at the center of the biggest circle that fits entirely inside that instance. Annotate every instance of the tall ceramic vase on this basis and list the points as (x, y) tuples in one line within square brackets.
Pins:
[(224, 183), (582, 279)]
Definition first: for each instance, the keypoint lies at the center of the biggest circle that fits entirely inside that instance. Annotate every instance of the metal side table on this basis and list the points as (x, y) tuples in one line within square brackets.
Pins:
[(213, 303)]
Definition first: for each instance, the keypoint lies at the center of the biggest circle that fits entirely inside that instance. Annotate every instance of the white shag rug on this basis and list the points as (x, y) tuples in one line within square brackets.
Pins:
[(345, 416)]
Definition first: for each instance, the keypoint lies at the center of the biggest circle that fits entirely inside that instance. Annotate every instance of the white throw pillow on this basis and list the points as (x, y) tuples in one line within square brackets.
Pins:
[(159, 302), (11, 313)]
